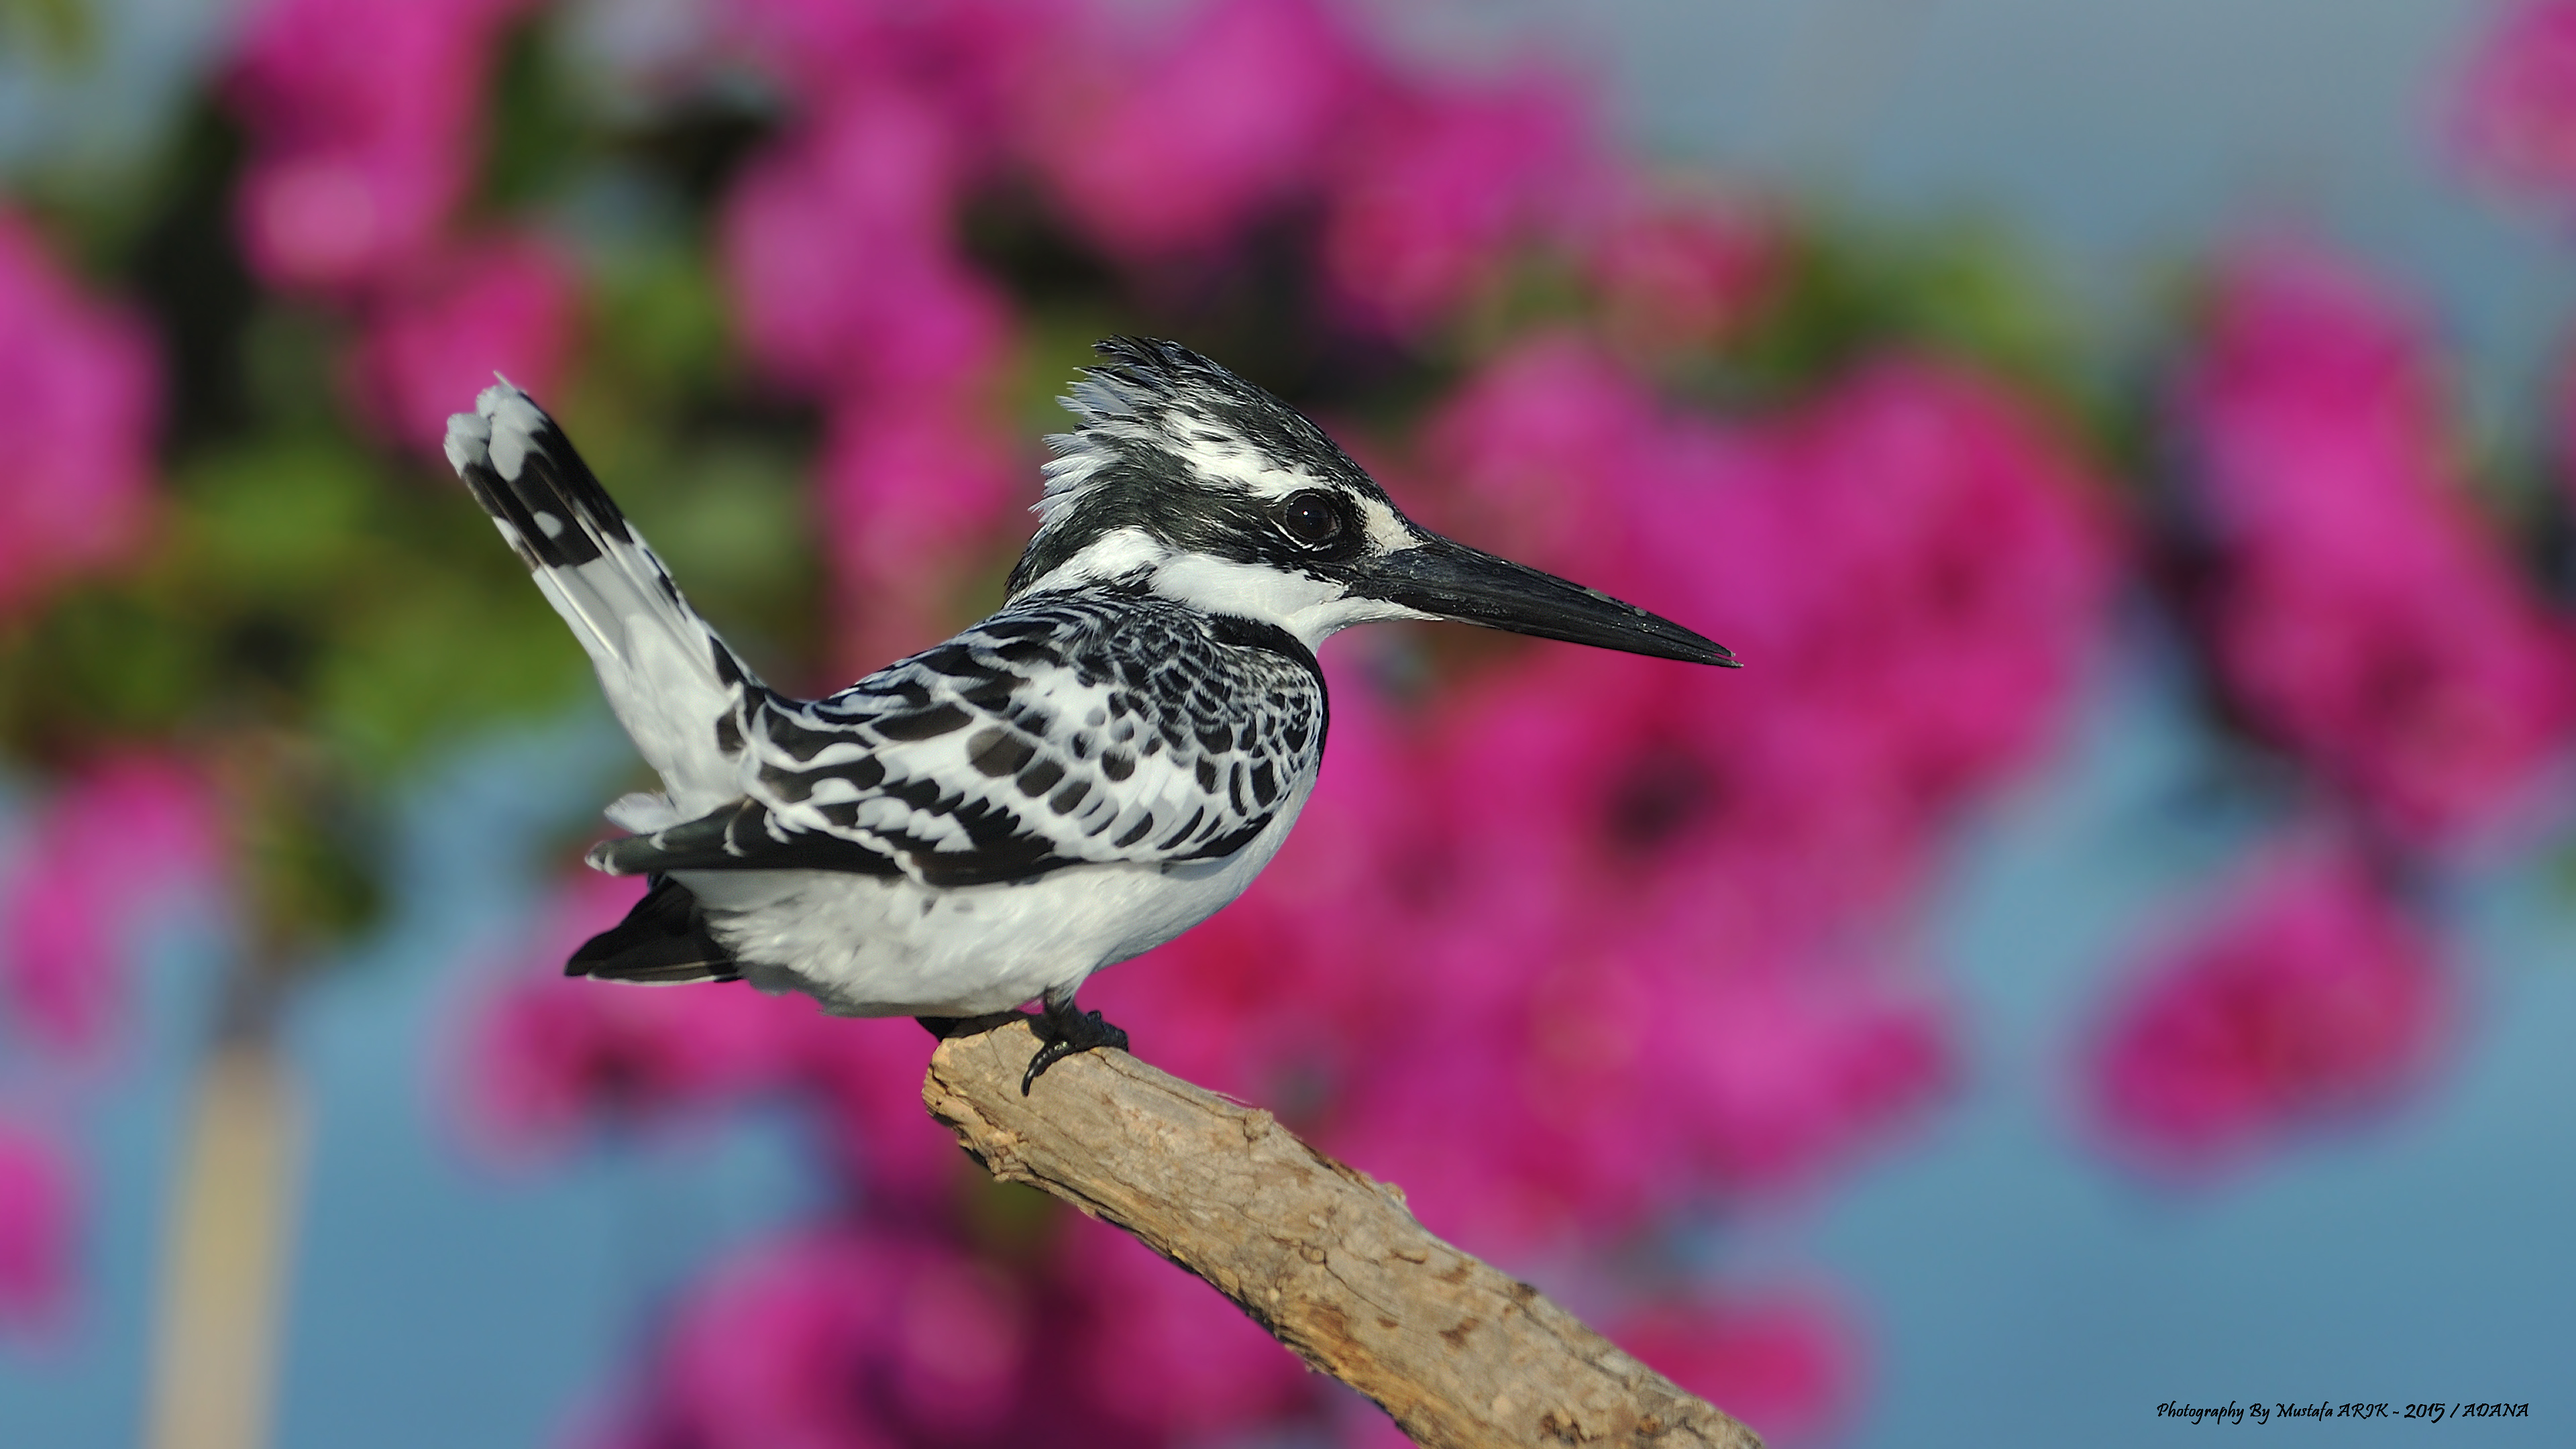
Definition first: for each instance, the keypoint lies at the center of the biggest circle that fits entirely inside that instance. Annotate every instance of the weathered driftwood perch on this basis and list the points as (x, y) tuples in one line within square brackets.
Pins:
[(1330, 1262)]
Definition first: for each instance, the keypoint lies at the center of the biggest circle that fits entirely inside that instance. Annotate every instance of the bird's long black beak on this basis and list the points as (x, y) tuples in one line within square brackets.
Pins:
[(1452, 581)]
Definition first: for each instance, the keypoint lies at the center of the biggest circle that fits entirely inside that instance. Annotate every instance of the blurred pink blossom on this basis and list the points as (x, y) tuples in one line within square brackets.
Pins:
[(363, 117), (435, 338), (1442, 185), (1538, 452), (118, 833), (2514, 114), (869, 1332), (866, 1077), (1914, 564), (979, 60), (913, 495), (79, 399), (39, 1214), (1517, 1115), (1681, 269), (1919, 553), (2313, 995), (1776, 1073), (549, 1056), (1610, 1073), (1166, 1359), (2363, 615), (1787, 1365), (847, 1338), (1180, 150), (839, 248)]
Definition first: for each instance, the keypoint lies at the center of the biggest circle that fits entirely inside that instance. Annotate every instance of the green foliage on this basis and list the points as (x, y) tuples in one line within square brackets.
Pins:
[(360, 600), (537, 134), (1850, 291), (57, 32), (657, 326)]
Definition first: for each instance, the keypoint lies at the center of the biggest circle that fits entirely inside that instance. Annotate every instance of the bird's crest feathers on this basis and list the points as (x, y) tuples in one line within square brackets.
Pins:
[(1159, 399)]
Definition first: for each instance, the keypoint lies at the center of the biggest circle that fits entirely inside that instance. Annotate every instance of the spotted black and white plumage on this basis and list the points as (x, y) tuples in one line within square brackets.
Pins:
[(1073, 781), (1067, 729)]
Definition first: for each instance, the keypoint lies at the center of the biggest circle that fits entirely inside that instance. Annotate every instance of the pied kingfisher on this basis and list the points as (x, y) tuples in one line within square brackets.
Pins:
[(1074, 781)]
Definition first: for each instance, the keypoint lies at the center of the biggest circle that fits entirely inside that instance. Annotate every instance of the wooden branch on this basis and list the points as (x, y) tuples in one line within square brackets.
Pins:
[(1330, 1262)]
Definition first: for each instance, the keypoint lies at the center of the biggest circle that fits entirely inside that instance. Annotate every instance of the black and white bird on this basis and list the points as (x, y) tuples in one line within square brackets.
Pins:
[(1081, 777)]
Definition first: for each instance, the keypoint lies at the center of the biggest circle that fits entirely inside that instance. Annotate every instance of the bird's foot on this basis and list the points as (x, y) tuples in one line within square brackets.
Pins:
[(1065, 1030), (939, 1026)]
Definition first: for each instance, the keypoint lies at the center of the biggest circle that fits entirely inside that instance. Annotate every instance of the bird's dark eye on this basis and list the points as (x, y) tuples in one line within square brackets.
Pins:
[(1310, 518)]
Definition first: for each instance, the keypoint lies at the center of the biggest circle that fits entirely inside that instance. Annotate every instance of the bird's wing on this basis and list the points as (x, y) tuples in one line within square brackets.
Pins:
[(1064, 730)]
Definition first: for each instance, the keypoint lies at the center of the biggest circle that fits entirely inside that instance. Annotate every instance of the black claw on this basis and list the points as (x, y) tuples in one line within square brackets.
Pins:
[(1064, 1032)]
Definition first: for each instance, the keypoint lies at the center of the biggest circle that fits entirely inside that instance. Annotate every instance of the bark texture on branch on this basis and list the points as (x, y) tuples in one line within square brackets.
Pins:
[(1330, 1262)]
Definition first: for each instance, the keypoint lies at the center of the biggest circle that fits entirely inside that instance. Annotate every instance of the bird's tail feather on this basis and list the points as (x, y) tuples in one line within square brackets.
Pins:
[(664, 941), (673, 683)]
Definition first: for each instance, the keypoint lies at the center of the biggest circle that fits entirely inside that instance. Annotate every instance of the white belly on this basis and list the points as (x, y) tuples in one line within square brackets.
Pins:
[(872, 946)]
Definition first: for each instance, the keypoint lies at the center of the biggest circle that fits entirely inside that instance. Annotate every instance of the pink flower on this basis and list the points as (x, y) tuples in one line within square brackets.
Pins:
[(845, 1338), (118, 834), (1912, 566), (1777, 1072), (839, 250), (866, 1078), (1681, 270), (2313, 995), (39, 1214), (435, 338), (918, 500), (1917, 548), (1538, 454), (1928, 565), (1578, 1074), (1181, 151), (1163, 1355), (1785, 1365), (548, 1056), (1436, 191), (1513, 1133), (79, 398), (979, 60), (2362, 615), (363, 122), (2514, 115)]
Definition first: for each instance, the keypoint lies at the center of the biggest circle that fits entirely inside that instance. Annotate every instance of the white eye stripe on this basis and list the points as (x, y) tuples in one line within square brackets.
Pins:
[(1246, 471), (1276, 483), (1386, 529)]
